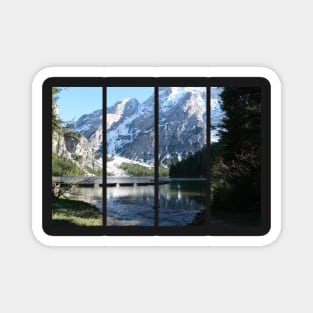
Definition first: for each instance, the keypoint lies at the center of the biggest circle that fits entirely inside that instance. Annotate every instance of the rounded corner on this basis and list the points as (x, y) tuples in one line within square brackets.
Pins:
[(42, 75), (42, 236), (271, 76), (271, 236)]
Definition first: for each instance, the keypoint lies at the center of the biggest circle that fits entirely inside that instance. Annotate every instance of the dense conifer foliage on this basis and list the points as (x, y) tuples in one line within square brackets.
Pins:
[(236, 167)]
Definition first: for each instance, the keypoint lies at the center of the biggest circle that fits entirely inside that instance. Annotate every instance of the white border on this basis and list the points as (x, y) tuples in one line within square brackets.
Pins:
[(156, 240)]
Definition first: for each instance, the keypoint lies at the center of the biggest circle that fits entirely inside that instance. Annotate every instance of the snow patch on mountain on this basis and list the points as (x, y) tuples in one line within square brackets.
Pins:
[(114, 163), (130, 125)]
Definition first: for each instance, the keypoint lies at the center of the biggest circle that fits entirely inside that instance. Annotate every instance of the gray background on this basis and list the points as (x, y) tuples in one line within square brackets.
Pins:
[(37, 34)]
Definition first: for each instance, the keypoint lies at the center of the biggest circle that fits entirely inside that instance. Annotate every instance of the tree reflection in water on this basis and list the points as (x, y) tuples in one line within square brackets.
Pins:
[(179, 202)]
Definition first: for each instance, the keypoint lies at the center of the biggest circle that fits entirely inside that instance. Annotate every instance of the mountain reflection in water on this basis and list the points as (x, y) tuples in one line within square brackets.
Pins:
[(179, 202), (130, 206)]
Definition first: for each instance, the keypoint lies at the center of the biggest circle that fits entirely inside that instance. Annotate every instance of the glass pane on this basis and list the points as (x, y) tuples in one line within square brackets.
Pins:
[(130, 156), (182, 156), (77, 156), (236, 156)]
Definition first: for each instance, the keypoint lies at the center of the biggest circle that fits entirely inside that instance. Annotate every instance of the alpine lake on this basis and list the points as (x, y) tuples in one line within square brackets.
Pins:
[(130, 201)]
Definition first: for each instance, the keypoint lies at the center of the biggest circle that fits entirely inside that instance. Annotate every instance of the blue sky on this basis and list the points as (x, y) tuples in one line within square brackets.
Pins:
[(73, 102), (115, 94)]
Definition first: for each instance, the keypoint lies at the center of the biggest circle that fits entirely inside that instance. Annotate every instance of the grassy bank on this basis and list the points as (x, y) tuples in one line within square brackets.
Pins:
[(74, 212)]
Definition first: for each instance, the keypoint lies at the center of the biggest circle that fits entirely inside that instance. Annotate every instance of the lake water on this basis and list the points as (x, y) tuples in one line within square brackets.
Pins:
[(130, 206), (179, 200)]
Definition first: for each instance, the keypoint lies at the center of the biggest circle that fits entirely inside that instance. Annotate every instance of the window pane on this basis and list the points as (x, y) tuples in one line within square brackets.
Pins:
[(236, 156), (77, 156), (182, 156), (130, 156)]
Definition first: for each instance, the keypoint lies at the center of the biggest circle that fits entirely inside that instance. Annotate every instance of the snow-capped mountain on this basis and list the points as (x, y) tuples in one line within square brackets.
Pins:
[(130, 125), (182, 122), (130, 129)]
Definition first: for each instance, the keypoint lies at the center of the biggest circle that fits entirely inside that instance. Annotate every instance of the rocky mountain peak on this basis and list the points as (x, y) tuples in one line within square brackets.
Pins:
[(130, 125)]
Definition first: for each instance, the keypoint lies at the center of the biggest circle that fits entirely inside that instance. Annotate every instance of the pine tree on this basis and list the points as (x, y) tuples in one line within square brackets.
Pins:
[(56, 121), (237, 171)]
